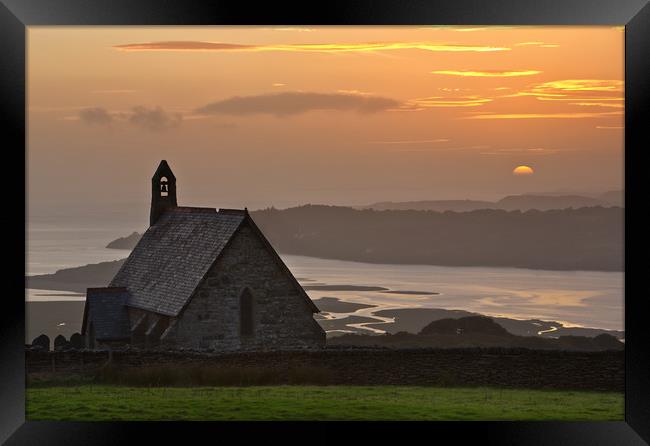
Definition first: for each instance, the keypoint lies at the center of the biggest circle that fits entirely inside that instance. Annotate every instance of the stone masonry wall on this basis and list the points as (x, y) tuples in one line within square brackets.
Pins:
[(438, 367), (282, 319)]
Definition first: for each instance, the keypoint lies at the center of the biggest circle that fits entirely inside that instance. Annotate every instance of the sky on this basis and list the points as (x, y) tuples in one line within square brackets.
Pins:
[(282, 116)]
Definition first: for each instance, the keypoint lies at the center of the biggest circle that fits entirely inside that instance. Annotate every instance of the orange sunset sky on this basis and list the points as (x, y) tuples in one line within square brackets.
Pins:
[(260, 116)]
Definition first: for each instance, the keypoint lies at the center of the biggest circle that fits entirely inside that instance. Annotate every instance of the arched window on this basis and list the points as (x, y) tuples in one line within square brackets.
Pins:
[(164, 187), (246, 313), (91, 337)]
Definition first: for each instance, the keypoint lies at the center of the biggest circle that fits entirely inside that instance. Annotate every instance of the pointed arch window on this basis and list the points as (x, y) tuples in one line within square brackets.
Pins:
[(246, 313)]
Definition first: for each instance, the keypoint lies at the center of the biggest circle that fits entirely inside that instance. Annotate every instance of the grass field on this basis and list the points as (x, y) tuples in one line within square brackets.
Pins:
[(91, 403)]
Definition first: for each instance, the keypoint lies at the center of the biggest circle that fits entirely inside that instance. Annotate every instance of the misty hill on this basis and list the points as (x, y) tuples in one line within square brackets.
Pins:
[(512, 202), (475, 331), (614, 197), (546, 202), (431, 205), (127, 242), (570, 239)]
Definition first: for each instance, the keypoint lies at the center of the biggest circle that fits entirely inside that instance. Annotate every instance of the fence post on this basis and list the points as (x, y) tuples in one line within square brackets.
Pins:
[(53, 362)]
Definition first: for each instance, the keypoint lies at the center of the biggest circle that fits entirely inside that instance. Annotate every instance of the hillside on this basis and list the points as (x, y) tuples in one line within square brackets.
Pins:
[(522, 202), (569, 239)]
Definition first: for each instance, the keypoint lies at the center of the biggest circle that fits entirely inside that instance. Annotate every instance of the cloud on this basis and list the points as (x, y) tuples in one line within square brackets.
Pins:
[(542, 115), (599, 104), (578, 92), (293, 103), (96, 116), (467, 73), (518, 152), (571, 85), (439, 101), (183, 45), (154, 119), (306, 47)]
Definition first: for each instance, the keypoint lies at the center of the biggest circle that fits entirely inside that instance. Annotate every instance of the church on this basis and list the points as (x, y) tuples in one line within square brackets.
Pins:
[(200, 279)]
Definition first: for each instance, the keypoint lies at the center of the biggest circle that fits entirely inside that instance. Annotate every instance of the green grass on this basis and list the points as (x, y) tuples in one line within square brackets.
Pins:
[(93, 403)]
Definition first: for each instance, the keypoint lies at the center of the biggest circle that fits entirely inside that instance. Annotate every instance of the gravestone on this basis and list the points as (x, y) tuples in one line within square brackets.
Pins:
[(77, 341), (41, 342), (60, 343)]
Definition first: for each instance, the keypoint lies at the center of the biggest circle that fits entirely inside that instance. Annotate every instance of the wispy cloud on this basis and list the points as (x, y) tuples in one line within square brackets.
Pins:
[(96, 116), (293, 103), (580, 92), (469, 73), (306, 47), (570, 85), (439, 101), (542, 115), (599, 104), (537, 151), (153, 119), (538, 44)]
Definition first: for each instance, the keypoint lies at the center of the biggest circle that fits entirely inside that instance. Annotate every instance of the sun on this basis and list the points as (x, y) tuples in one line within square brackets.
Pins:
[(523, 171)]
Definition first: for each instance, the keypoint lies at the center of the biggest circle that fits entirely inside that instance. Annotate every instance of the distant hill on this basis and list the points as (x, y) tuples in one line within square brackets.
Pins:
[(76, 279), (475, 331), (588, 238), (614, 197), (127, 242), (431, 205), (509, 203), (546, 202)]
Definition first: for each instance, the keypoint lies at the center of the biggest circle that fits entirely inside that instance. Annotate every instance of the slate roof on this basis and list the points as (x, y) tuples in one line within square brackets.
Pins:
[(173, 255), (105, 308)]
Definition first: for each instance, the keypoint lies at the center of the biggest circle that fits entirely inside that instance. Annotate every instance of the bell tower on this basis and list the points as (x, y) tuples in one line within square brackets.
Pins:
[(163, 192)]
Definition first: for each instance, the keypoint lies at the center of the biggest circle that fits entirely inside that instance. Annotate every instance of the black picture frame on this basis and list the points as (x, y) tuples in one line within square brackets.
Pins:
[(16, 15)]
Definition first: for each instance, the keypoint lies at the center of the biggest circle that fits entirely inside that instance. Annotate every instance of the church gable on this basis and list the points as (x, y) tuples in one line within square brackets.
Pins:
[(248, 299), (166, 266)]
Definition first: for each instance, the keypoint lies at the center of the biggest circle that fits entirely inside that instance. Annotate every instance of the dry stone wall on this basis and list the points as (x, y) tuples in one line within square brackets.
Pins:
[(443, 367)]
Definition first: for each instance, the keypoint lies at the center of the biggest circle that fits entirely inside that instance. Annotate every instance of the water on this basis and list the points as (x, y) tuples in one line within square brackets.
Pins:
[(575, 298), (59, 240), (578, 298)]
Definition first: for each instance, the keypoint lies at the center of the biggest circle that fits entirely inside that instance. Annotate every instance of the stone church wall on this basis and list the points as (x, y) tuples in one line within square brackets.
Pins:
[(281, 318)]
